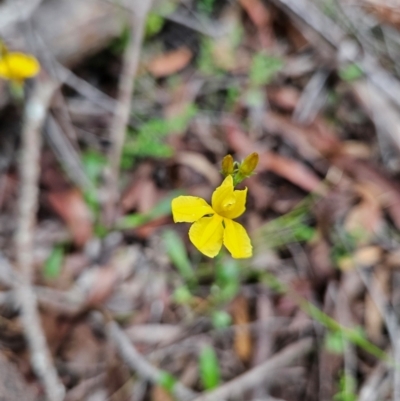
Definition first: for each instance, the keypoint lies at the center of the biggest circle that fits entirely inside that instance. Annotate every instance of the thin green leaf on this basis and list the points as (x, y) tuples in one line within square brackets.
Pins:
[(209, 368), (53, 264)]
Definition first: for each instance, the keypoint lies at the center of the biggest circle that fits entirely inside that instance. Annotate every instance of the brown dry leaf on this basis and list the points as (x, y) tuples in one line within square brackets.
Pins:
[(131, 194), (242, 340), (159, 394), (147, 197), (201, 165), (284, 97), (386, 11), (334, 206), (319, 254), (147, 230), (311, 141), (365, 219), (82, 349), (55, 330), (72, 208), (292, 170), (392, 260), (261, 18), (98, 284), (356, 149), (8, 189), (385, 189), (260, 193), (363, 257), (295, 35), (169, 63), (256, 11)]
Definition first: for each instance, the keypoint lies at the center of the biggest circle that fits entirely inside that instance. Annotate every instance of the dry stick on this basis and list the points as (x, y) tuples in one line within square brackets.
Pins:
[(35, 114), (12, 12), (310, 14), (260, 374), (139, 364), (123, 107)]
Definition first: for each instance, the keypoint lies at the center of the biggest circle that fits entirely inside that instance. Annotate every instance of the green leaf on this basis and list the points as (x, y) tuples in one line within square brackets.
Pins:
[(221, 319), (53, 264), (351, 72), (93, 164), (148, 139), (177, 253), (167, 381), (227, 280), (209, 368), (347, 389), (206, 6), (182, 295), (334, 342), (154, 24), (263, 69)]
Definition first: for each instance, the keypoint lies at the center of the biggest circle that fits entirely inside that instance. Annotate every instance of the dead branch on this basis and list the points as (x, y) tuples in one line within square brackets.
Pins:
[(140, 365), (261, 373), (123, 107), (13, 11), (35, 114)]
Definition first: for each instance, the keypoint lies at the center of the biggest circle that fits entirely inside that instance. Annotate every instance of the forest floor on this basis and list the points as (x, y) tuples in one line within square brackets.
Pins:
[(104, 297)]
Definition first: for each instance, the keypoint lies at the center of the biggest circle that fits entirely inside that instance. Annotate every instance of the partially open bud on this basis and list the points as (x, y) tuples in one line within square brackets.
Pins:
[(248, 165), (227, 165)]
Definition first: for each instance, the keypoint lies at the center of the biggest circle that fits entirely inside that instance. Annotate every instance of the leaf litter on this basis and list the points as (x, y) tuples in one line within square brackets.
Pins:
[(323, 208)]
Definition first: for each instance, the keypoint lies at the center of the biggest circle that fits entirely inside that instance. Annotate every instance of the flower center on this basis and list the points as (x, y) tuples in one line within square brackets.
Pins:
[(228, 203)]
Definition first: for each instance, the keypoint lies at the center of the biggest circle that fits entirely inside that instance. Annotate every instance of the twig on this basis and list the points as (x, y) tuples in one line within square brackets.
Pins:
[(123, 107), (140, 365), (14, 11), (67, 155), (84, 88), (35, 114), (262, 373), (369, 390), (310, 14)]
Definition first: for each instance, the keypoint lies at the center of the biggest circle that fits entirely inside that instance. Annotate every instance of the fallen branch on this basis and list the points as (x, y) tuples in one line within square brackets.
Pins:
[(35, 115), (263, 373), (139, 364), (123, 106)]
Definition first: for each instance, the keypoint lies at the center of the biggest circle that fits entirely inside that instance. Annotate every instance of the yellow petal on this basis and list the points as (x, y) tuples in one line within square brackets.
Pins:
[(18, 66), (189, 209), (206, 235), (236, 240), (227, 202)]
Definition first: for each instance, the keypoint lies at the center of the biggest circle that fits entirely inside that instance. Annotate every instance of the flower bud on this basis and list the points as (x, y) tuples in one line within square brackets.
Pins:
[(227, 165), (248, 165)]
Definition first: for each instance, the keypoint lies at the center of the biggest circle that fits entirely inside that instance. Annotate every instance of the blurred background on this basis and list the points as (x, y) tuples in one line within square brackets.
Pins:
[(103, 297)]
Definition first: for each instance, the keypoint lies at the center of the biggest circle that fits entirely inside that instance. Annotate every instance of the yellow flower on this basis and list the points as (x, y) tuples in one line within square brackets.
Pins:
[(214, 225), (18, 66)]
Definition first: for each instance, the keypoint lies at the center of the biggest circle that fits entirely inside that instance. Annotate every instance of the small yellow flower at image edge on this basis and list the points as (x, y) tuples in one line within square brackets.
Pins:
[(17, 67), (213, 225)]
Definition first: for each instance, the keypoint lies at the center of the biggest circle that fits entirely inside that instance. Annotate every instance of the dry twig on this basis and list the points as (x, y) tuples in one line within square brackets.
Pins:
[(260, 374), (35, 114), (140, 365), (123, 107)]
